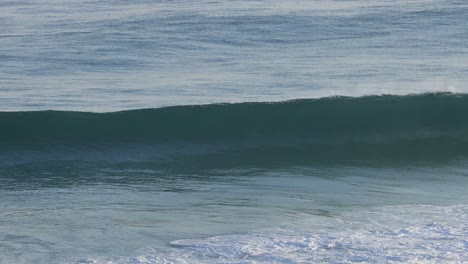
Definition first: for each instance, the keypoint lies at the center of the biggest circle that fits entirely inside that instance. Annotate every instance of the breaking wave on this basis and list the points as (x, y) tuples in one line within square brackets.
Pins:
[(336, 128)]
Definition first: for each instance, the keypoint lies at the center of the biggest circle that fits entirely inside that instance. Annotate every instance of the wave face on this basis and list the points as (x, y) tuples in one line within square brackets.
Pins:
[(427, 125)]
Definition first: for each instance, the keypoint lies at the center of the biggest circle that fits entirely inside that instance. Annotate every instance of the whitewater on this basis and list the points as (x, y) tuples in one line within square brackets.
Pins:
[(266, 131)]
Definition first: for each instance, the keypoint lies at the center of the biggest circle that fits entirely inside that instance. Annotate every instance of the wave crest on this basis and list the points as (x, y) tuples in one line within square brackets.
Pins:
[(330, 128)]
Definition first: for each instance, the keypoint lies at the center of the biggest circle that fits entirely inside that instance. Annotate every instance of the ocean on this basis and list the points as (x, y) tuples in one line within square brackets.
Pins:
[(262, 131)]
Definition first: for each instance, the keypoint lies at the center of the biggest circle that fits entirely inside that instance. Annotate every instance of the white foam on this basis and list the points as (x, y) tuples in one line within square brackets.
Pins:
[(400, 234)]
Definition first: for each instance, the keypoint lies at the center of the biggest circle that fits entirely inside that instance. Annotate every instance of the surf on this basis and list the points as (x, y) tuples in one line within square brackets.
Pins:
[(333, 128)]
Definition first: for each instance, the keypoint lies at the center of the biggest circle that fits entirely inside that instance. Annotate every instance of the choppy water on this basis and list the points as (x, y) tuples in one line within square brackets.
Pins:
[(373, 179), (115, 55)]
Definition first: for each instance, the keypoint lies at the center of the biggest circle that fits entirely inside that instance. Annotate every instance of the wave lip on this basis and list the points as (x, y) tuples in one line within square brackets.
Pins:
[(426, 123)]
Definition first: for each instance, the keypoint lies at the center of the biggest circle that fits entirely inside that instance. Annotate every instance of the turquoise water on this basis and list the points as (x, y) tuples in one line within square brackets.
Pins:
[(322, 214), (339, 214), (233, 131), (244, 183)]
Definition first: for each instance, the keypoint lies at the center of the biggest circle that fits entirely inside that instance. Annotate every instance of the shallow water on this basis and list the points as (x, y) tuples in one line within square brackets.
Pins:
[(294, 215)]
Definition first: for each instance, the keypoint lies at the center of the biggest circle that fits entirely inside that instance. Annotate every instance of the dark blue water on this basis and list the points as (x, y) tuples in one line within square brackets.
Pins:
[(141, 162)]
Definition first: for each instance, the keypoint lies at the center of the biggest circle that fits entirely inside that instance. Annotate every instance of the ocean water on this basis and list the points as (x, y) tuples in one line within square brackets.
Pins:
[(258, 131)]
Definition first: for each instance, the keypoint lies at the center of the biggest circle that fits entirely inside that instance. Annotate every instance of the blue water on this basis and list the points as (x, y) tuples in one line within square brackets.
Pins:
[(147, 157), (115, 55)]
